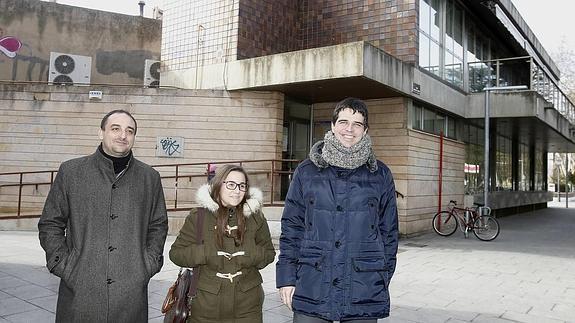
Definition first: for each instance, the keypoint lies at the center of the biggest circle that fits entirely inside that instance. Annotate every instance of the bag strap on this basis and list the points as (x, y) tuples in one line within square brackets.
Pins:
[(199, 240)]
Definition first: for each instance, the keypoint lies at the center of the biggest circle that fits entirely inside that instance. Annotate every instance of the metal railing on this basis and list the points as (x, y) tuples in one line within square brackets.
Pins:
[(520, 71), (22, 194)]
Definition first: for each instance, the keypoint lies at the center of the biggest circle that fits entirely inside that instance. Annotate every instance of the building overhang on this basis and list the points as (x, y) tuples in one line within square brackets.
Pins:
[(527, 116), (325, 74)]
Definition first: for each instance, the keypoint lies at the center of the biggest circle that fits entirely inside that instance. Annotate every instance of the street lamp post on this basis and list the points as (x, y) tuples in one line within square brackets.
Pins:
[(486, 135)]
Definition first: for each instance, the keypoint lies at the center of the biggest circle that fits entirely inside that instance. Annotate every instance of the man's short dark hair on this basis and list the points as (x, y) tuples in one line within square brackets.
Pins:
[(355, 104), (105, 119)]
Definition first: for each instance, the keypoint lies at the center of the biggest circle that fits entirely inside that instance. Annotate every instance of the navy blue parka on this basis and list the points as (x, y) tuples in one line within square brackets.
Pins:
[(339, 241)]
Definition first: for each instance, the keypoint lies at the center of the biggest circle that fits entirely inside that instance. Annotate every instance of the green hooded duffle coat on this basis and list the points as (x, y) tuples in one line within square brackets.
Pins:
[(226, 300)]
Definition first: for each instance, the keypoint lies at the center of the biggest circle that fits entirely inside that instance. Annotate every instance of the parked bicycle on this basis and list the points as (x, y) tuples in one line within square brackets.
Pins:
[(484, 226)]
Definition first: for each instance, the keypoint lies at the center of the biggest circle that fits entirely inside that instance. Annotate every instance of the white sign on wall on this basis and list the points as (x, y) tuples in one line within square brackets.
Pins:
[(172, 147)]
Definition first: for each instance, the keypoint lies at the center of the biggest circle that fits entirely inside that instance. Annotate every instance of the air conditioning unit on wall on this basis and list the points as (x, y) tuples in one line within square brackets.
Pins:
[(69, 69), (152, 73)]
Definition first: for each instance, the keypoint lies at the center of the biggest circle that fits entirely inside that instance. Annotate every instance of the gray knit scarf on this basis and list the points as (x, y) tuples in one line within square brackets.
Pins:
[(331, 152)]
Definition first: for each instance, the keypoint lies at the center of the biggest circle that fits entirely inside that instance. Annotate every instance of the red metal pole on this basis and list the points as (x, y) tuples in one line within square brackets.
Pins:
[(440, 168)]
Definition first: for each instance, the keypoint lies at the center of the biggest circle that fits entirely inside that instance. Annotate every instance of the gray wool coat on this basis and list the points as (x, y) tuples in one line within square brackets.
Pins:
[(104, 237)]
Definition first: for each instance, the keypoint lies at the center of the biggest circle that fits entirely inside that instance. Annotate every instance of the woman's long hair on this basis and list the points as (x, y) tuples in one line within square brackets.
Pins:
[(216, 183)]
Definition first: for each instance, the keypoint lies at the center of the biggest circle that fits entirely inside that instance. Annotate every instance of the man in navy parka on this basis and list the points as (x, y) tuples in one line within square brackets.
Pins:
[(339, 235)]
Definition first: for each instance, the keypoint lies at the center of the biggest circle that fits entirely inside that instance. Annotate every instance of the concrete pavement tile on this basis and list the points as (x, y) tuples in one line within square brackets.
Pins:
[(564, 309), (155, 300), (47, 303), (27, 292), (4, 295), (38, 277), (36, 316), (271, 303), (282, 309), (272, 317), (394, 319), (9, 306), (54, 286), (9, 282), (154, 313), (485, 318), (529, 318), (159, 287), (556, 315), (156, 320), (424, 315)]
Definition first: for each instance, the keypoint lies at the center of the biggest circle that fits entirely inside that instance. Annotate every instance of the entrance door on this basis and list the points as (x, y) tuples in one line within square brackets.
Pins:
[(296, 142)]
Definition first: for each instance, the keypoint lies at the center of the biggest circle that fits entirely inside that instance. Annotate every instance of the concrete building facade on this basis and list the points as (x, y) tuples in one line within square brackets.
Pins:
[(117, 45), (267, 74)]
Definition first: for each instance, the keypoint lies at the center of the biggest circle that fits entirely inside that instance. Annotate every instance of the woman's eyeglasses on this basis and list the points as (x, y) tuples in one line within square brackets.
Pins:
[(231, 185)]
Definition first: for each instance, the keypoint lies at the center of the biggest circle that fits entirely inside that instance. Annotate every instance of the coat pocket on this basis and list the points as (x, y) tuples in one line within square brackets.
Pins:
[(70, 268), (369, 281), (309, 277)]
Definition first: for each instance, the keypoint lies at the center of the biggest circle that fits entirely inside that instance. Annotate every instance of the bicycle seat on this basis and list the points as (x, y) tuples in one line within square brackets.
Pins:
[(479, 204), (452, 201)]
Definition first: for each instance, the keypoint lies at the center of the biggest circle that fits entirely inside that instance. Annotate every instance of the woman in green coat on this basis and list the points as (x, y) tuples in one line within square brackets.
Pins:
[(236, 244)]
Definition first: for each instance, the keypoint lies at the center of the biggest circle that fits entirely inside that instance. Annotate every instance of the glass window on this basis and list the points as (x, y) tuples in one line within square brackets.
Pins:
[(440, 124), (451, 128), (449, 26), (458, 31), (503, 167), (423, 51), (436, 22), (424, 16), (429, 120), (473, 136), (539, 170), (524, 168), (434, 58), (471, 44), (416, 117)]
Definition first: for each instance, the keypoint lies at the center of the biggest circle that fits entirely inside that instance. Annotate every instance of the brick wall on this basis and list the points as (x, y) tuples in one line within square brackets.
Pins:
[(269, 27), (42, 126), (388, 24)]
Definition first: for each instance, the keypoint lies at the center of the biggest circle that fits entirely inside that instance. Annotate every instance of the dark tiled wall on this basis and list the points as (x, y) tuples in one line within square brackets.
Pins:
[(269, 27)]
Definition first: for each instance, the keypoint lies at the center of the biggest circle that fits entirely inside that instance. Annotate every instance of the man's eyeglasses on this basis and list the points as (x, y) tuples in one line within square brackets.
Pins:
[(231, 185), (346, 123)]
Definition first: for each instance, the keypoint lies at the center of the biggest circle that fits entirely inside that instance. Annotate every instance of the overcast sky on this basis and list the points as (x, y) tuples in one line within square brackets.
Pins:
[(550, 19)]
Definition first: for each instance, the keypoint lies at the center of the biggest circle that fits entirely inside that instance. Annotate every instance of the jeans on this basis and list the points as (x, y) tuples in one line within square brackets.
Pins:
[(301, 318)]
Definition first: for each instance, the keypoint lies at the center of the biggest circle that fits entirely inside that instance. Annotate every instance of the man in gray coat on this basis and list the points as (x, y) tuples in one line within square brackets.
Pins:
[(103, 228)]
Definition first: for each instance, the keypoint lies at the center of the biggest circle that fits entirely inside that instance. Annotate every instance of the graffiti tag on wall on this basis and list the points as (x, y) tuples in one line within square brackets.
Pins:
[(170, 147), (10, 45)]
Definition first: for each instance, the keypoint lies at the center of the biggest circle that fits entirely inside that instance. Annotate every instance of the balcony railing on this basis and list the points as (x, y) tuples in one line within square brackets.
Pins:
[(520, 71), (22, 194)]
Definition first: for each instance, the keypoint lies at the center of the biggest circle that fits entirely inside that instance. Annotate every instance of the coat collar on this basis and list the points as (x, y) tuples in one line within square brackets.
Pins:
[(253, 203)]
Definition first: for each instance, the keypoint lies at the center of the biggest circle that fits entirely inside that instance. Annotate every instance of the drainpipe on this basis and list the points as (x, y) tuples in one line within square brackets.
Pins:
[(566, 180)]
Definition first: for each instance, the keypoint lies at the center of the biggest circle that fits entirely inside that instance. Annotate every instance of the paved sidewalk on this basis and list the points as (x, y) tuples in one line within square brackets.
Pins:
[(526, 275)]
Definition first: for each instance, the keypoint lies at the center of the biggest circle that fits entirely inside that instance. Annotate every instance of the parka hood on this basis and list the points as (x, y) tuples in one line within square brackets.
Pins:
[(253, 203)]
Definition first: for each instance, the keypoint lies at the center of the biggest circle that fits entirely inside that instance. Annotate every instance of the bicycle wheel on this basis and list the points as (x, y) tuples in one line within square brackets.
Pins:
[(444, 223), (486, 228)]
